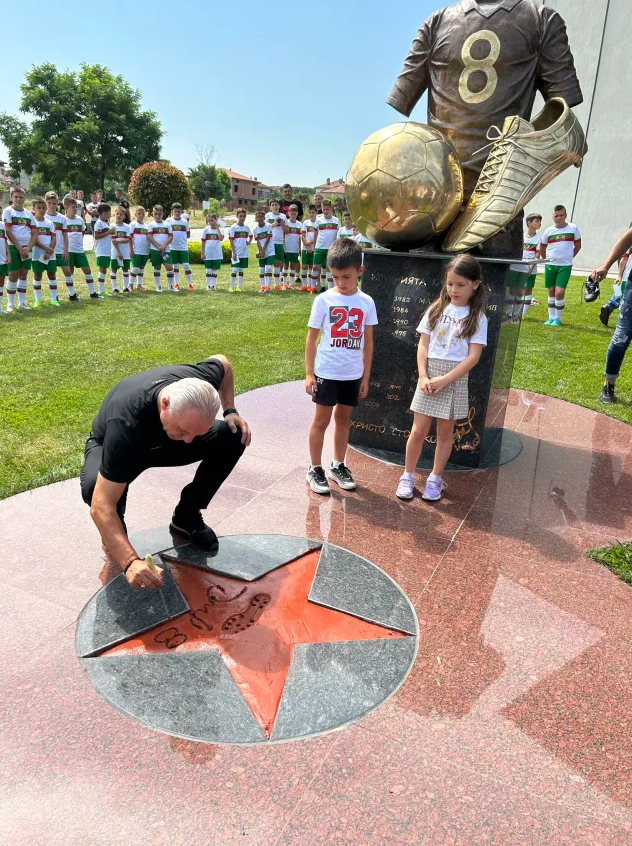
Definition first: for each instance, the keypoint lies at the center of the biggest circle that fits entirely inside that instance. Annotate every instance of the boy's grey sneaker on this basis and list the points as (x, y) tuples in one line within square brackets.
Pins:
[(342, 475), (432, 491), (406, 486), (317, 480), (607, 394)]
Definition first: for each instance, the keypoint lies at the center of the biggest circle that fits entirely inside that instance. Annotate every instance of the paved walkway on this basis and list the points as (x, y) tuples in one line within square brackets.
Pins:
[(512, 729)]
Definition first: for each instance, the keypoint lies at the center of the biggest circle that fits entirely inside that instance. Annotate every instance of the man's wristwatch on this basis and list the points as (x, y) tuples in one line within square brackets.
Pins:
[(228, 411)]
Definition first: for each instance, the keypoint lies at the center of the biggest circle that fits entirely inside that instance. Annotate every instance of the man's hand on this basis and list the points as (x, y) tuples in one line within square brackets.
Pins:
[(425, 385), (234, 422), (141, 575), (599, 273), (310, 385), (364, 388)]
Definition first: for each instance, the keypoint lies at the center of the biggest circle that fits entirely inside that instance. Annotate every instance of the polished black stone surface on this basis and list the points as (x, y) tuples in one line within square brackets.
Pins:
[(245, 557), (332, 684), (117, 612), (188, 694), (348, 583), (403, 285)]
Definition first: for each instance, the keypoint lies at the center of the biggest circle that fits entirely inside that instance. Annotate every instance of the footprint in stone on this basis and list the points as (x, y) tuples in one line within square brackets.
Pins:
[(240, 622)]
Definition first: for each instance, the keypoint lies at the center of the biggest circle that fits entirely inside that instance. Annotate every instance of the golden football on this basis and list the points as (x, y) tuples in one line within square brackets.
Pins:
[(404, 185)]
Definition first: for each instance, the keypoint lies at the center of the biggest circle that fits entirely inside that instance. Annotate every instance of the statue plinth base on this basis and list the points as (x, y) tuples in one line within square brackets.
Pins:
[(403, 285)]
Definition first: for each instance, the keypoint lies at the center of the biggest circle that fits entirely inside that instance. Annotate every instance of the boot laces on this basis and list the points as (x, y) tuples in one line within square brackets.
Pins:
[(501, 144)]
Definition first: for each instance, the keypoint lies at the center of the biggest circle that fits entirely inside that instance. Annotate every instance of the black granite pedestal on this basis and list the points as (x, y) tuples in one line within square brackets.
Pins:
[(403, 285)]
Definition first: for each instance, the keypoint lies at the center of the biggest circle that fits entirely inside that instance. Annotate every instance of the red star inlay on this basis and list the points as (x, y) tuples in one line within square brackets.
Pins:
[(254, 625)]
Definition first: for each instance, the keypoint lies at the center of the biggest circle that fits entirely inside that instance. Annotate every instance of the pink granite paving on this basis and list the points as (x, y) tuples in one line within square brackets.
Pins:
[(512, 728)]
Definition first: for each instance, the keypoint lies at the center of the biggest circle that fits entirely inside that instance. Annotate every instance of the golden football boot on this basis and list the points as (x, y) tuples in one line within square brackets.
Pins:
[(524, 158)]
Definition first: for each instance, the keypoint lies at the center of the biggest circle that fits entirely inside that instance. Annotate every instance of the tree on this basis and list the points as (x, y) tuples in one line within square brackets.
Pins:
[(161, 184), (87, 126), (207, 181)]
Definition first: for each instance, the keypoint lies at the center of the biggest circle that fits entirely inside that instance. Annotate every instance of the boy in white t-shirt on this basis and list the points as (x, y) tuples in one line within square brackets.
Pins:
[(74, 227), (277, 220), (43, 253), (160, 236), (120, 253), (559, 245), (4, 267), (102, 234), (240, 237), (338, 372), (521, 277), (61, 241), (346, 230), (180, 246), (326, 234), (308, 237), (212, 238), (292, 246), (140, 248), (21, 235), (265, 251)]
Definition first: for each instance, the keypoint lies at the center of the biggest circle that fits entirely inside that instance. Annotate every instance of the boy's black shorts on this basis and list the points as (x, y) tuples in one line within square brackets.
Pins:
[(334, 391)]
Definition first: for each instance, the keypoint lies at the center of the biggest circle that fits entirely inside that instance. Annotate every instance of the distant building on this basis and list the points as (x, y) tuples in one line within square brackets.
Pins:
[(246, 191), (335, 187)]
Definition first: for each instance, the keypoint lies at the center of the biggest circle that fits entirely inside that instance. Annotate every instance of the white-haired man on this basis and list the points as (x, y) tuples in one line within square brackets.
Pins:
[(163, 417)]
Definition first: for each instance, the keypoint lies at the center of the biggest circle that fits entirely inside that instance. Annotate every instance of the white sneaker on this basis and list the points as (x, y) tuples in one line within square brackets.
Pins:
[(406, 486), (10, 308), (24, 307)]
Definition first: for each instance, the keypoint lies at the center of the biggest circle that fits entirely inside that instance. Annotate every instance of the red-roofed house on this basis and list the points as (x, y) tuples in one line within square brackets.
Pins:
[(333, 187), (246, 191)]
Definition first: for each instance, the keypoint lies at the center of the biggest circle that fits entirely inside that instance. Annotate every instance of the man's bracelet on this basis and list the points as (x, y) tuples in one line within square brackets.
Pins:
[(127, 566), (228, 411)]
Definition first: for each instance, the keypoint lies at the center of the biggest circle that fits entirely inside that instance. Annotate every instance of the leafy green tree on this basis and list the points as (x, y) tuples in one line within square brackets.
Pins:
[(161, 184), (209, 182), (87, 126)]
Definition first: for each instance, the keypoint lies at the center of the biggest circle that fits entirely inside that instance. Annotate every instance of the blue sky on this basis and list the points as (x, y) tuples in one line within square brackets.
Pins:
[(283, 96)]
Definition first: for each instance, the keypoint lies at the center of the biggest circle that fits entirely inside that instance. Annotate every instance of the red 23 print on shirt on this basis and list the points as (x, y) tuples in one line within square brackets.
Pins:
[(346, 327)]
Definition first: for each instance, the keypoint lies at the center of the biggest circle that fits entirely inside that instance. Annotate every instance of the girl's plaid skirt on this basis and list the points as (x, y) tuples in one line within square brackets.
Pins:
[(452, 403)]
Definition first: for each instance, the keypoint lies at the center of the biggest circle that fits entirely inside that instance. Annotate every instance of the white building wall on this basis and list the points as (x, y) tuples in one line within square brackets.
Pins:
[(598, 195)]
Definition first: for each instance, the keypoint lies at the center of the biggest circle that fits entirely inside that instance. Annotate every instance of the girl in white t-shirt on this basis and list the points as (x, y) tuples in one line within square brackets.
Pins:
[(453, 332)]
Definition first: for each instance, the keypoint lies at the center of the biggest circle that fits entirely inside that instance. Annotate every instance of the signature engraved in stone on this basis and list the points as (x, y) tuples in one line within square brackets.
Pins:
[(171, 641)]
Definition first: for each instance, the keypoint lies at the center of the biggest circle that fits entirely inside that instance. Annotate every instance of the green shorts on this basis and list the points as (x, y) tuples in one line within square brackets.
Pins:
[(267, 261), (103, 262), (557, 275), (320, 257), (4, 269), (279, 252), (291, 258), (179, 256), (114, 264), (213, 264), (41, 267), (157, 260), (241, 263), (78, 260), (307, 258), (139, 260), (16, 262)]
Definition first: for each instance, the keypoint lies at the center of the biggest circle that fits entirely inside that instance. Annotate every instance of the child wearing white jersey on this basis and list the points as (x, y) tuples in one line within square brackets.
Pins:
[(180, 246), (346, 230), (521, 277), (559, 245), (43, 254), (61, 241), (140, 248), (277, 220), (21, 235), (327, 228), (292, 246), (266, 252), (308, 237), (212, 238), (103, 232), (74, 227), (160, 236), (240, 237), (4, 267), (121, 250)]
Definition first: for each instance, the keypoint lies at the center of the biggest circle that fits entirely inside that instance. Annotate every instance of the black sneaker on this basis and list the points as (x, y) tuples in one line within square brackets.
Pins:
[(604, 314), (317, 480), (607, 394), (95, 296), (73, 298), (116, 291), (192, 526), (342, 475)]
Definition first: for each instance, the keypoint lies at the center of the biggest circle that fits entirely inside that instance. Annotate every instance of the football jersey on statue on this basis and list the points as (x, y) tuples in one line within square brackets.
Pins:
[(480, 63)]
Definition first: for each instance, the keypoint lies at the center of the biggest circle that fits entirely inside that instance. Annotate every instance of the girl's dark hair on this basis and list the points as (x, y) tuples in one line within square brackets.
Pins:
[(468, 267)]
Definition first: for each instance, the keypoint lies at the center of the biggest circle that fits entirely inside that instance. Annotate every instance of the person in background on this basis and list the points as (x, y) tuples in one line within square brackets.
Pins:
[(240, 237), (292, 247), (288, 200), (559, 245), (277, 220), (61, 241), (327, 231), (120, 199), (623, 277), (93, 211), (103, 232), (74, 227), (140, 248), (522, 276), (81, 205), (43, 253), (318, 202), (212, 238), (21, 235), (347, 229), (160, 236), (308, 237)]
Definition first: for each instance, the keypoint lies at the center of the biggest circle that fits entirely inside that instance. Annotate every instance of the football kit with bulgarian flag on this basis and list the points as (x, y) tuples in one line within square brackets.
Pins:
[(292, 243), (140, 244), (517, 271), (212, 248), (20, 223), (102, 246), (345, 232), (159, 231), (45, 235), (121, 238), (4, 267), (58, 222), (560, 249), (239, 236), (278, 233), (326, 233), (180, 244), (74, 228), (310, 229), (261, 233)]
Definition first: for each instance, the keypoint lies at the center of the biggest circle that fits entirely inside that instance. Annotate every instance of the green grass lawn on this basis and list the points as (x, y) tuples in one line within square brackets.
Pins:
[(58, 364)]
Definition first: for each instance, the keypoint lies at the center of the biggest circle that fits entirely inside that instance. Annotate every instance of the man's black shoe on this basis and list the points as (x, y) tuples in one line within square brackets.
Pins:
[(192, 526), (604, 314), (607, 394)]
